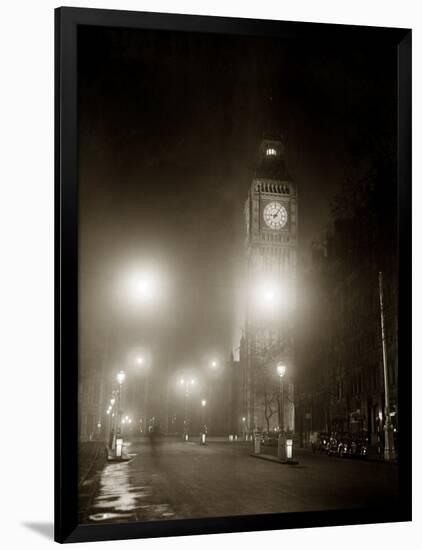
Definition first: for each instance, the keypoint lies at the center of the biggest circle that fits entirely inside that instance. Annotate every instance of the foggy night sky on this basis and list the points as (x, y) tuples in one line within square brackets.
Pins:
[(170, 125)]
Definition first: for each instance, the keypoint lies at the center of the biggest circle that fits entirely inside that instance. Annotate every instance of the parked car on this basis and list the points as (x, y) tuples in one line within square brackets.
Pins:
[(320, 443), (352, 445)]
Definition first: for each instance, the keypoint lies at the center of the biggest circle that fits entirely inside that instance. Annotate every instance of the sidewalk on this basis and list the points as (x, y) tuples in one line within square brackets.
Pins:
[(91, 456)]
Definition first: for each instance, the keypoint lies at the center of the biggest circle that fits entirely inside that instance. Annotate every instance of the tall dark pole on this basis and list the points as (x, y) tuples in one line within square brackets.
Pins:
[(119, 411), (166, 427), (389, 450), (250, 374), (120, 379), (250, 347), (185, 421), (112, 421), (281, 450), (110, 428), (281, 419)]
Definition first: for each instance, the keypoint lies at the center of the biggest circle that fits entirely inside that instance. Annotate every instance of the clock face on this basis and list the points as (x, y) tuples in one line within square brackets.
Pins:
[(275, 215)]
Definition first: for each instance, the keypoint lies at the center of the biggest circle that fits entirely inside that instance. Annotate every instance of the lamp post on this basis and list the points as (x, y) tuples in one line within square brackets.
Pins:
[(281, 371), (186, 384), (389, 450), (204, 426), (121, 377), (244, 429), (118, 440), (143, 365), (144, 288), (110, 414), (263, 304)]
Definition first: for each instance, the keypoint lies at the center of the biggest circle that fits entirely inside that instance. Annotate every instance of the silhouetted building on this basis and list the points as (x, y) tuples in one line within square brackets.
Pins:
[(340, 381)]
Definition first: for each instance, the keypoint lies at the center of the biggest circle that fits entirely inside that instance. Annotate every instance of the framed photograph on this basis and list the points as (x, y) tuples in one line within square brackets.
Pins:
[(233, 275)]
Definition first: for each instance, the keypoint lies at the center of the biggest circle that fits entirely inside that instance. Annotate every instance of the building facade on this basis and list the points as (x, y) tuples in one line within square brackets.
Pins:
[(340, 386), (91, 396), (271, 216)]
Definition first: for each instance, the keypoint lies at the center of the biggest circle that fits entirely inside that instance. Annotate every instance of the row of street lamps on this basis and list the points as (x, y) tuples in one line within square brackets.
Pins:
[(146, 288), (115, 408)]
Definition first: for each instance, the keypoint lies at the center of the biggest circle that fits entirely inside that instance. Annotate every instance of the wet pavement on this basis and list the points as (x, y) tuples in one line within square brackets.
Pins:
[(173, 479)]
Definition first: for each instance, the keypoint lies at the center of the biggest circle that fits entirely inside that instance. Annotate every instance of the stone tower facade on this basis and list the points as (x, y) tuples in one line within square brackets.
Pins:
[(271, 216)]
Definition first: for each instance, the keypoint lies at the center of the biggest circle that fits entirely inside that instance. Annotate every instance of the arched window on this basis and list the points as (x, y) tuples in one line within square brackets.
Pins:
[(271, 152)]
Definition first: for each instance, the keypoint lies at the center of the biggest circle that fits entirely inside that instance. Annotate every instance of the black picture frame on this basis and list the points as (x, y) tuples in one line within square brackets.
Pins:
[(67, 21)]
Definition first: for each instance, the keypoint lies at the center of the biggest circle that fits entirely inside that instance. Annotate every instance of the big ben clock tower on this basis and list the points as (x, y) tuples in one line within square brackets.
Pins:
[(271, 215)]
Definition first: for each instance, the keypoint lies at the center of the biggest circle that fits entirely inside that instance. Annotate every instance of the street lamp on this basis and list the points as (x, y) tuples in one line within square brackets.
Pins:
[(111, 440), (389, 449), (203, 422), (121, 377), (214, 363), (141, 359), (281, 371), (145, 288), (273, 297), (267, 296), (186, 384), (110, 415)]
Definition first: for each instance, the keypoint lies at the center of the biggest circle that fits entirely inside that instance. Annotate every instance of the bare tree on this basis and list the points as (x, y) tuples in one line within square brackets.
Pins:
[(269, 411)]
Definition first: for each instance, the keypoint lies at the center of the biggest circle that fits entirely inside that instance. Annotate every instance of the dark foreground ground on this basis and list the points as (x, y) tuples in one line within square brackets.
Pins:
[(186, 480)]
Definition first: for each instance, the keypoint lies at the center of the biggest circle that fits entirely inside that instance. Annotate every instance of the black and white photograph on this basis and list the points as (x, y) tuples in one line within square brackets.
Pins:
[(210, 274), (238, 275)]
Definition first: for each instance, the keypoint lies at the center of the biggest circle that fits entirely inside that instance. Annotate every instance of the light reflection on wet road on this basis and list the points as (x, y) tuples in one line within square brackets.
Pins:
[(117, 498)]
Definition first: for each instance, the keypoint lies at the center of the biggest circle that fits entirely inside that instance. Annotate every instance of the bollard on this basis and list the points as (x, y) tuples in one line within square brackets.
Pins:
[(185, 437), (119, 446), (203, 439), (230, 437), (235, 437), (289, 450), (257, 445)]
